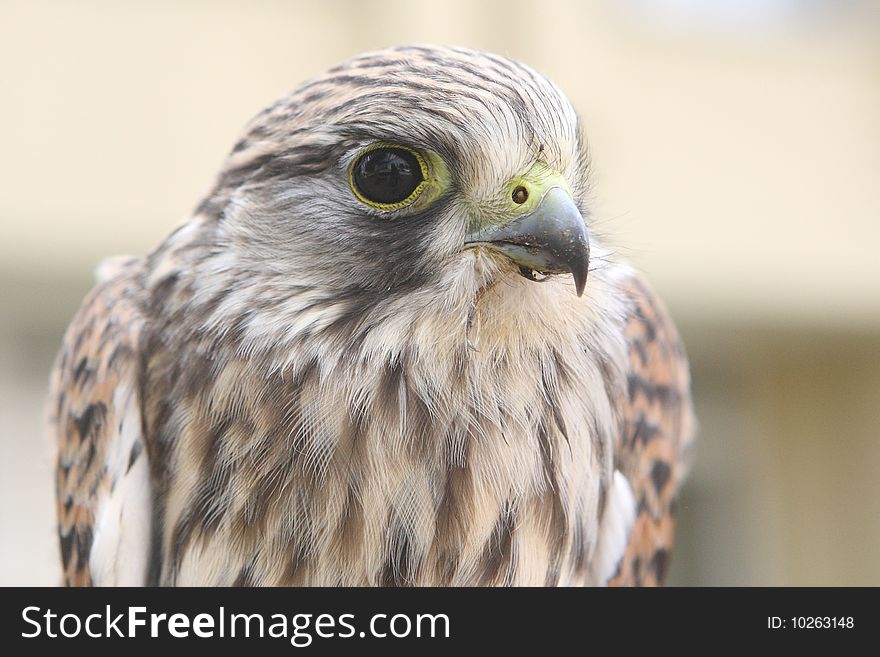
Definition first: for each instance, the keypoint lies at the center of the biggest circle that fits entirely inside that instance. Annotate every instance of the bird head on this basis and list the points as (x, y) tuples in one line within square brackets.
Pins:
[(413, 168)]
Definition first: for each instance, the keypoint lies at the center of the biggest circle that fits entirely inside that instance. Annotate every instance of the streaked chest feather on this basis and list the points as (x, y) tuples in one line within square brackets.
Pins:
[(442, 465)]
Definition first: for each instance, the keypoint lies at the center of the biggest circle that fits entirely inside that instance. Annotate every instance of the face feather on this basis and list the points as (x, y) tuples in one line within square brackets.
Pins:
[(284, 202)]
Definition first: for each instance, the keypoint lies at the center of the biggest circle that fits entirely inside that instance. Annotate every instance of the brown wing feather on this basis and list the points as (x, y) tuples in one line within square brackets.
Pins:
[(97, 358), (658, 424)]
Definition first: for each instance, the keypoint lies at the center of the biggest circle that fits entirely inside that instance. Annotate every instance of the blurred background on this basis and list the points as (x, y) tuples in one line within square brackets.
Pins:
[(736, 148)]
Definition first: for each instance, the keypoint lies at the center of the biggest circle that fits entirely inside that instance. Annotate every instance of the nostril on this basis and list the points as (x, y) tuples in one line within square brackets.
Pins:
[(520, 195)]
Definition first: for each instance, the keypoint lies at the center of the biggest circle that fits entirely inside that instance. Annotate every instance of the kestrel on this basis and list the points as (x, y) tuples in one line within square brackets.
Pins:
[(386, 349)]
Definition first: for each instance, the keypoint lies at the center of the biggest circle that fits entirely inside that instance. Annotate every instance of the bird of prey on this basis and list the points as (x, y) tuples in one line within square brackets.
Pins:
[(387, 348)]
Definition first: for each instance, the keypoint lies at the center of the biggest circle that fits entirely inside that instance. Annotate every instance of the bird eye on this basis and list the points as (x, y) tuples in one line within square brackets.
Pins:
[(388, 177)]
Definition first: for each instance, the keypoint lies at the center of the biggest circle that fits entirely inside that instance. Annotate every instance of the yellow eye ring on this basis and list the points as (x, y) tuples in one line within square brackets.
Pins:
[(388, 176)]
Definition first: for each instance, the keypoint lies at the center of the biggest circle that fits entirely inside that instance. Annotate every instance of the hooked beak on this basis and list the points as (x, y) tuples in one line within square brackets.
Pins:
[(551, 239)]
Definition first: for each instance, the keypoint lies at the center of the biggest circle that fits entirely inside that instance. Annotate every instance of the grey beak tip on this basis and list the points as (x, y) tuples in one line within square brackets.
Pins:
[(579, 273)]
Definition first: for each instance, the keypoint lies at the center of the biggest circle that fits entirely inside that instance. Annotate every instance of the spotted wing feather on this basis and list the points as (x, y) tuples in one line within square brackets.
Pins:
[(102, 475), (658, 426)]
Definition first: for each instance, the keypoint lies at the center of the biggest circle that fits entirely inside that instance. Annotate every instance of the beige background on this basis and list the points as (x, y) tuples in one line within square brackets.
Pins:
[(737, 156)]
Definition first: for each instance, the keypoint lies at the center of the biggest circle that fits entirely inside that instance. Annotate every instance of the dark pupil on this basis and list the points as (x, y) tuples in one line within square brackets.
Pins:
[(387, 175)]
